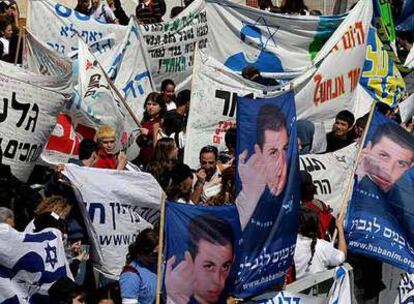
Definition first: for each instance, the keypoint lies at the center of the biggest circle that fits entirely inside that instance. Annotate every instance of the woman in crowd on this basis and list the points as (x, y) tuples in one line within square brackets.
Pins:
[(6, 33), (107, 159), (154, 112), (294, 7), (138, 279), (180, 188), (165, 158), (312, 254)]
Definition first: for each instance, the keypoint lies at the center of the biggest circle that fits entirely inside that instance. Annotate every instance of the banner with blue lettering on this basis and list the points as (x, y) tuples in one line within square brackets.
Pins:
[(60, 26), (29, 264), (202, 246), (268, 190), (380, 219), (115, 211)]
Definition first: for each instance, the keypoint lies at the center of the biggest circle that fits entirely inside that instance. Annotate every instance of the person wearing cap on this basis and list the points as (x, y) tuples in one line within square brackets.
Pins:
[(75, 255), (107, 159), (180, 188)]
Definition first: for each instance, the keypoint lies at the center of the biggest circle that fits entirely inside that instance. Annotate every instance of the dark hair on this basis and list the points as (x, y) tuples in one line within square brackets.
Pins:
[(64, 290), (163, 149), (154, 97), (395, 133), (347, 116), (210, 228), (165, 83), (86, 148), (308, 189), (49, 220), (309, 227), (143, 247), (231, 138), (176, 10), (183, 97), (179, 174), (209, 149), (294, 7), (250, 72), (270, 117)]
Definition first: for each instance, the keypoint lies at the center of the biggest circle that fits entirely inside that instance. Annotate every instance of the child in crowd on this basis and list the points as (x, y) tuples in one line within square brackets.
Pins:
[(107, 158)]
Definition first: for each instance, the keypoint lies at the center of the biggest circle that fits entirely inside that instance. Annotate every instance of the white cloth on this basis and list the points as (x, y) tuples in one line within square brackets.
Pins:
[(213, 186), (171, 106), (181, 139), (325, 255), (6, 44), (104, 13)]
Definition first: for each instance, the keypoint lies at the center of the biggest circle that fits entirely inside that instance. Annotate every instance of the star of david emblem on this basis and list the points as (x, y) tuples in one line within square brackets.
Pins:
[(51, 255), (268, 30)]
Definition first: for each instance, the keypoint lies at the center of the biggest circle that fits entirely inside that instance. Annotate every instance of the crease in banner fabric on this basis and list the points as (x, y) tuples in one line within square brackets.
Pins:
[(201, 253), (380, 218), (30, 264), (267, 191), (31, 103), (380, 76), (60, 26), (117, 210)]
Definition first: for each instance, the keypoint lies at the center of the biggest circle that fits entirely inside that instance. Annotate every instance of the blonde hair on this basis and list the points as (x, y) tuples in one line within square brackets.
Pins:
[(105, 131), (56, 204)]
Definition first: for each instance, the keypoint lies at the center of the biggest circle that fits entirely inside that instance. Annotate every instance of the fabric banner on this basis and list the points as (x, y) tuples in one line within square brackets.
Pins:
[(41, 59), (31, 103), (286, 297), (380, 76), (380, 221), (267, 174), (30, 264), (114, 210), (202, 247), (407, 108), (406, 289), (60, 26), (250, 36), (214, 91), (275, 44), (330, 174)]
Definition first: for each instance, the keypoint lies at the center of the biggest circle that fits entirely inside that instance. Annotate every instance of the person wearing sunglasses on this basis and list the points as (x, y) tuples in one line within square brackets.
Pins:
[(107, 158)]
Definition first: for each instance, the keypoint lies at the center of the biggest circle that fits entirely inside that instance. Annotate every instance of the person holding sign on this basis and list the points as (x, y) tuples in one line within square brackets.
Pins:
[(201, 276)]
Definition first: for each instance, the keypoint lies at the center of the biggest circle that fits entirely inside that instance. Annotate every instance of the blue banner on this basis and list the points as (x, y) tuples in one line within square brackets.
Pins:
[(202, 246), (268, 191), (380, 219)]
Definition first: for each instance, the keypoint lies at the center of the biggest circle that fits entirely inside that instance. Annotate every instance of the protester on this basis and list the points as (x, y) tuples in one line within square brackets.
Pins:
[(138, 279), (208, 181), (150, 11), (83, 6), (227, 194), (49, 220), (107, 159), (313, 254), (201, 276), (6, 33), (65, 291), (76, 254), (6, 216), (168, 94), (305, 131), (87, 154), (294, 7), (180, 188), (340, 136), (227, 157), (154, 107)]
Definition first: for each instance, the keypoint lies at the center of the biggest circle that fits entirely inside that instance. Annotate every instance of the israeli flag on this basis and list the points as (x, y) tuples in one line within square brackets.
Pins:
[(29, 264)]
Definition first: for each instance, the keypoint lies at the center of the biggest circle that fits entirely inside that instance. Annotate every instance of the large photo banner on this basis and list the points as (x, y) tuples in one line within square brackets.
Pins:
[(115, 211), (202, 246), (268, 191), (60, 26), (380, 219), (30, 264), (30, 104)]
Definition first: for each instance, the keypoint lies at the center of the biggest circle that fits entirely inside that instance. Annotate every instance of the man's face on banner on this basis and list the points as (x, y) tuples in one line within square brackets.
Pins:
[(211, 268), (388, 162), (274, 151)]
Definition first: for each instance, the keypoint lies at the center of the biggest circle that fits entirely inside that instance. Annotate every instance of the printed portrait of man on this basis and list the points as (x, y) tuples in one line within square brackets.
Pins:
[(265, 171), (387, 156), (201, 277)]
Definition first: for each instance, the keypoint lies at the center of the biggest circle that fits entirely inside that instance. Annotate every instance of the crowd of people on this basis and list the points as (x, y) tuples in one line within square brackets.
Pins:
[(161, 142)]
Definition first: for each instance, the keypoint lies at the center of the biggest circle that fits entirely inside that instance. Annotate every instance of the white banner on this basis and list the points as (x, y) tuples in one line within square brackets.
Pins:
[(286, 297), (30, 104), (60, 26), (407, 108), (330, 174), (406, 288), (30, 264), (41, 59), (114, 209)]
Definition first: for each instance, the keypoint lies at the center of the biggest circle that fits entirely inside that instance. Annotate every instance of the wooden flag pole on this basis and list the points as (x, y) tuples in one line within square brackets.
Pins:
[(160, 250)]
